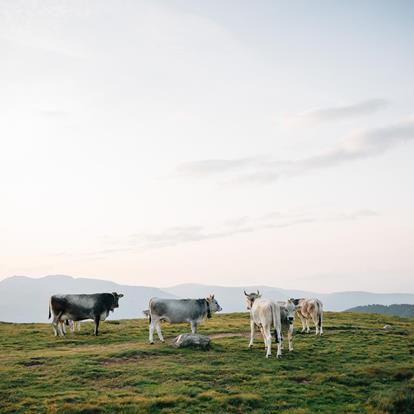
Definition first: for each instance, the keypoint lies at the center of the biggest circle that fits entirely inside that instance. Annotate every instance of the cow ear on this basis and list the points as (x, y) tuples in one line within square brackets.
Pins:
[(258, 292), (212, 296), (245, 293), (121, 295)]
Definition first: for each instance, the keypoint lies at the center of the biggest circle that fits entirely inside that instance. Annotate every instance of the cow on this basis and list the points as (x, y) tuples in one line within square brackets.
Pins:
[(310, 309), (264, 313), (80, 307), (287, 317), (193, 311)]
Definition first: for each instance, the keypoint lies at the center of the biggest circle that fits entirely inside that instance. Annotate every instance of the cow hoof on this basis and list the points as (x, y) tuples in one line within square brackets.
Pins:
[(268, 356), (151, 343)]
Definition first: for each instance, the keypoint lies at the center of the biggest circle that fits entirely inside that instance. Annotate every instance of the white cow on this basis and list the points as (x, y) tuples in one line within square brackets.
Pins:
[(264, 313), (310, 309)]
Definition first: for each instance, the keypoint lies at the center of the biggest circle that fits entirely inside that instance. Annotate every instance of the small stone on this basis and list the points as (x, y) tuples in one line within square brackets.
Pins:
[(387, 327), (192, 341)]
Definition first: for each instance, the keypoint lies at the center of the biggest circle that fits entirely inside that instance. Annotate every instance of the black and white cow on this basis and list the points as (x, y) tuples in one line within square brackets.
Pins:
[(193, 311), (80, 307)]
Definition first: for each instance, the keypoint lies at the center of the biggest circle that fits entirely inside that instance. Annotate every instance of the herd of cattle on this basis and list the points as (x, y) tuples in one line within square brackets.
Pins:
[(267, 314)]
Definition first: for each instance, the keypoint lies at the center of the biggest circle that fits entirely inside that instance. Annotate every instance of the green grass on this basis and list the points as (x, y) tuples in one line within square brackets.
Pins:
[(356, 367)]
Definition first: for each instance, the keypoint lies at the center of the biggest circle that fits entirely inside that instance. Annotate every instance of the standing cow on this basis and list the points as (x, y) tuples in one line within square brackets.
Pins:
[(264, 313), (310, 309), (80, 307), (193, 311), (287, 317)]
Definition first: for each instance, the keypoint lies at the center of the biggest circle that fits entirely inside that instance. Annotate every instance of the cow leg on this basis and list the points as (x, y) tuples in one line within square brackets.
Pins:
[(158, 327), (279, 346), (194, 327), (56, 325), (320, 323), (97, 319), (268, 342), (63, 327), (302, 319), (151, 331), (290, 335), (315, 322), (307, 326), (251, 333), (263, 336)]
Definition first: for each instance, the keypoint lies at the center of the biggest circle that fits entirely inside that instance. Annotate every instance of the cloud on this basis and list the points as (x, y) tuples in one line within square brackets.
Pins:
[(207, 167), (339, 113), (179, 235), (359, 145)]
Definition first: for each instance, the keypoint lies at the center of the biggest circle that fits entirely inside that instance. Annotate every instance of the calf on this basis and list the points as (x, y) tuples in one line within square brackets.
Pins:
[(264, 313), (310, 309), (80, 307)]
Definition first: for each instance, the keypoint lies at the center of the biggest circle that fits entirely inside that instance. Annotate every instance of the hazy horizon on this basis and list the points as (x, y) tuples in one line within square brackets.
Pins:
[(225, 143)]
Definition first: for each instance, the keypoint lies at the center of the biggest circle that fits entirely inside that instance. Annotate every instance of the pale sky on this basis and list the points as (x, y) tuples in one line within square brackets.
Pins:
[(220, 142)]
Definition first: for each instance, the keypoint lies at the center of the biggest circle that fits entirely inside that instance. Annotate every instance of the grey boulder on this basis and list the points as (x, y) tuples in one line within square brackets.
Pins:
[(192, 341)]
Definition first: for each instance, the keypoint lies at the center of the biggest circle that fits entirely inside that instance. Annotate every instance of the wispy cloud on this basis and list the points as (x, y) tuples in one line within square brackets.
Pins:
[(206, 167), (338, 113), (359, 145), (179, 235)]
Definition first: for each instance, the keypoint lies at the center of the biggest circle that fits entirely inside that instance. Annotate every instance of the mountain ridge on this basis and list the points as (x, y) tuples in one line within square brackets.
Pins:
[(25, 299)]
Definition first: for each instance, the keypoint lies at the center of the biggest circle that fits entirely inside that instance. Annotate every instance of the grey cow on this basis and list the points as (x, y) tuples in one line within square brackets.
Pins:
[(287, 317), (193, 311)]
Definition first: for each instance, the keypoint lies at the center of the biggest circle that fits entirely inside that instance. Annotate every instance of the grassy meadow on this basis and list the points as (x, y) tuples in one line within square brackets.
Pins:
[(356, 367)]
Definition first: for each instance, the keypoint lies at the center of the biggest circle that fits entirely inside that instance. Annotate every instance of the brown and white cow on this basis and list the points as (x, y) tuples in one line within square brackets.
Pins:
[(308, 309)]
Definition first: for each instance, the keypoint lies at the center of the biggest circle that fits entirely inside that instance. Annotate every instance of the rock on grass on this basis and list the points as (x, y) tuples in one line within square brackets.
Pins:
[(192, 341)]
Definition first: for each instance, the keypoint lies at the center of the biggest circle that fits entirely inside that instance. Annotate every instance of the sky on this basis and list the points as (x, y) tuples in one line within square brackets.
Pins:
[(221, 142)]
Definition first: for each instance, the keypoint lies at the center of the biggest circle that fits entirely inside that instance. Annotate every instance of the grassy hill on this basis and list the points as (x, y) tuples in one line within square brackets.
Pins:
[(404, 310), (356, 367)]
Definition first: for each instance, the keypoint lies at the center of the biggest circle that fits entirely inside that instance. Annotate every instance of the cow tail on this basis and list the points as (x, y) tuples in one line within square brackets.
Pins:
[(49, 313), (50, 305), (149, 319), (320, 310), (274, 314)]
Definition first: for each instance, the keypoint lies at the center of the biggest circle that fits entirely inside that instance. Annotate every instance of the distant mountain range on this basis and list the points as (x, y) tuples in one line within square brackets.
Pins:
[(24, 299), (404, 310)]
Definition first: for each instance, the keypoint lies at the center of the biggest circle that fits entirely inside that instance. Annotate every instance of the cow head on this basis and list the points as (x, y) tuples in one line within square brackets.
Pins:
[(214, 306), (115, 303), (296, 302), (251, 297), (290, 311)]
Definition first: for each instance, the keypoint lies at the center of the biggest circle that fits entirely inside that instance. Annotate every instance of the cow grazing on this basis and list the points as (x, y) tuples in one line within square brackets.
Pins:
[(264, 313), (80, 307), (310, 309), (287, 317), (193, 311)]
